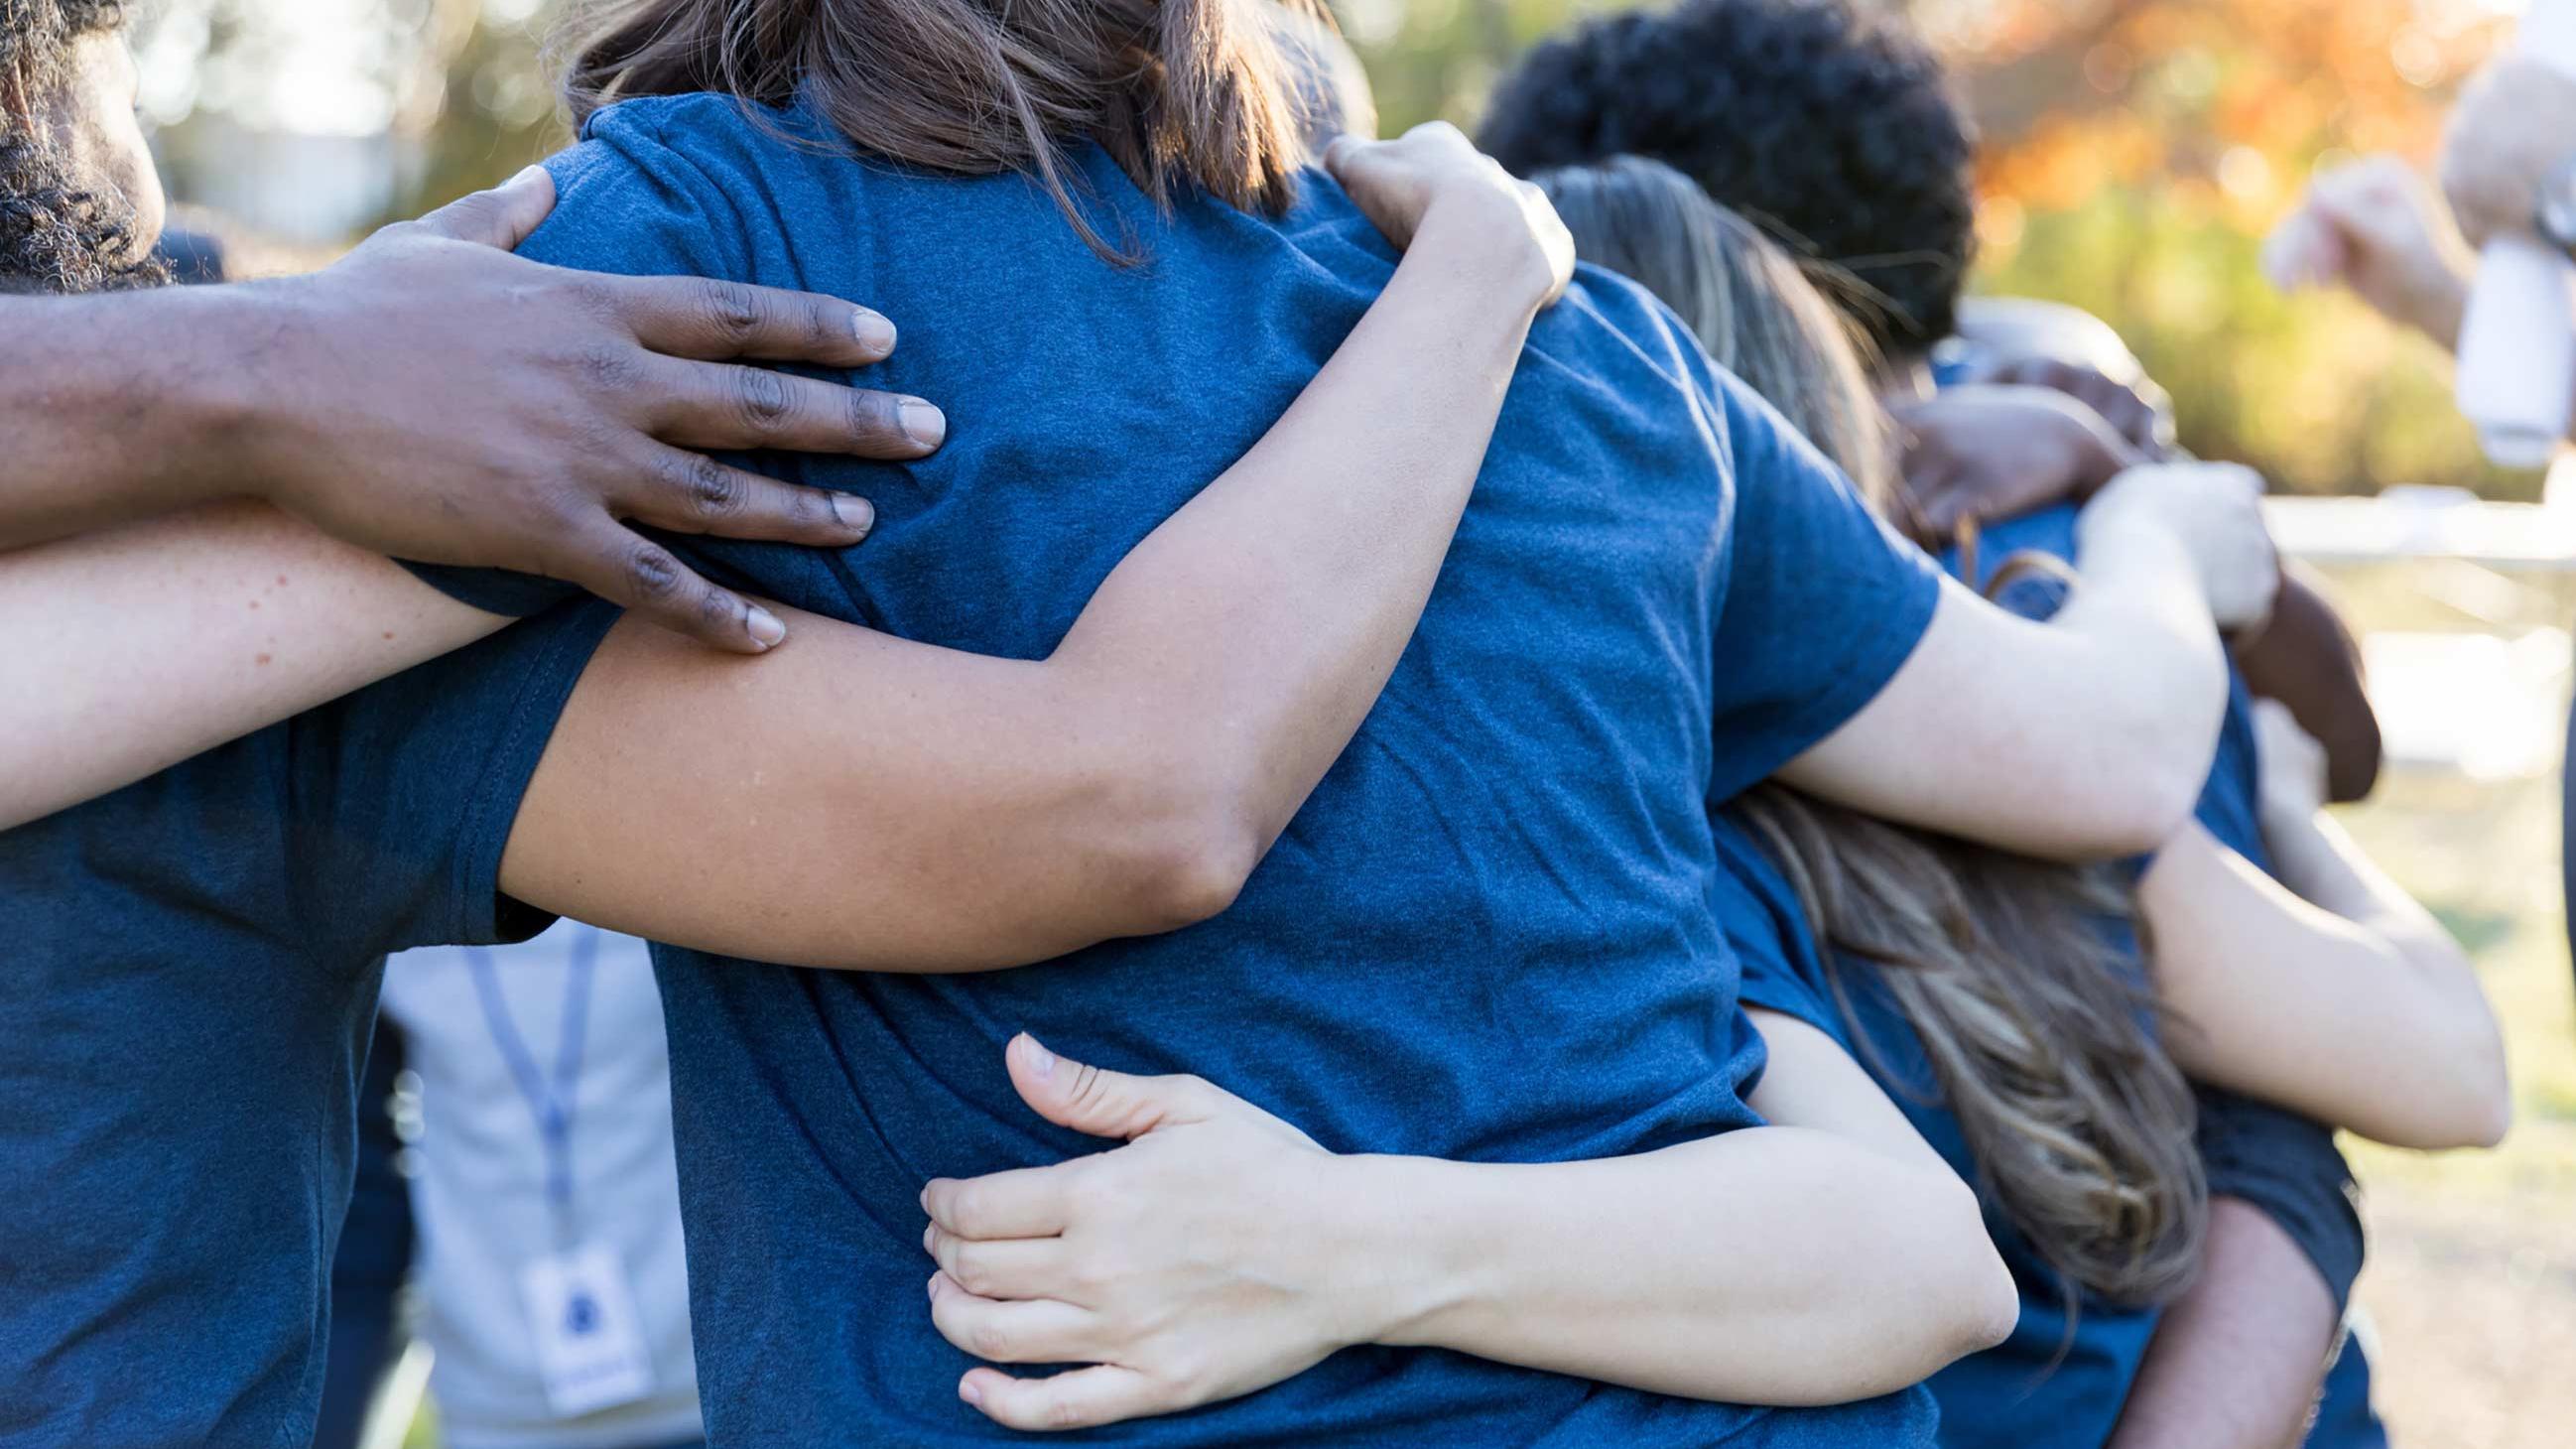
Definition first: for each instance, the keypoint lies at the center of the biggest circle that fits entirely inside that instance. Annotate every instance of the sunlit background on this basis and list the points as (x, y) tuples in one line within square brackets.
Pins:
[(2135, 152)]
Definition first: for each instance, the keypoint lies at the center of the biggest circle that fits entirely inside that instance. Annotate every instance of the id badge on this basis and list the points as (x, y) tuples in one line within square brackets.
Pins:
[(590, 1342)]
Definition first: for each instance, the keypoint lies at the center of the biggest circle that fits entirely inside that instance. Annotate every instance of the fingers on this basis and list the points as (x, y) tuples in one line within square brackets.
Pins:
[(1081, 1399), (1025, 1202), (717, 321), (688, 492), (1101, 1103), (1038, 1331), (626, 568), (723, 406), (501, 217), (999, 1268)]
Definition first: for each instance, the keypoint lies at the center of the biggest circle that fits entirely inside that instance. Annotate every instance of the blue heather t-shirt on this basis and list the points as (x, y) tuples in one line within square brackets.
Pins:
[(2044, 1386), (2284, 1164), (193, 964), (1485, 937)]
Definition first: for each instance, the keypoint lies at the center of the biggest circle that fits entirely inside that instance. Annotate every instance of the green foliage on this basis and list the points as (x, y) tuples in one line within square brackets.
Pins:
[(2315, 390)]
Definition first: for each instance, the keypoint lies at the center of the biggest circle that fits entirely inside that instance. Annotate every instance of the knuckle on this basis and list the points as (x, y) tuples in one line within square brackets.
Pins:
[(874, 417), (763, 398), (588, 296), (991, 1341), (605, 368), (713, 490), (730, 310), (652, 573), (1061, 1412)]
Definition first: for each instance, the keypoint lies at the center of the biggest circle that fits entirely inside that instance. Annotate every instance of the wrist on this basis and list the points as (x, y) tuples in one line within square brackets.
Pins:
[(1398, 1263), (233, 398), (1484, 243)]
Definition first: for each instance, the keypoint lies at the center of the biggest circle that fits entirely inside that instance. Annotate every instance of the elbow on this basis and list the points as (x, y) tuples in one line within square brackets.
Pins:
[(2353, 756), (2486, 1097), (2144, 808), (2480, 1089), (1964, 1299), (1191, 840), (1983, 1301), (1192, 870)]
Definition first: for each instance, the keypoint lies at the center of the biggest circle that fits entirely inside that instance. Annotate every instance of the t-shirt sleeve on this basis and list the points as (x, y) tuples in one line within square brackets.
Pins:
[(2288, 1168), (1767, 931), (401, 796), (625, 203), (1823, 601)]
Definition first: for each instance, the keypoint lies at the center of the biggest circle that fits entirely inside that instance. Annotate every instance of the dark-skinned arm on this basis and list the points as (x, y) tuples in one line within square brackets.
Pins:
[(433, 397), (2236, 1361), (2307, 658)]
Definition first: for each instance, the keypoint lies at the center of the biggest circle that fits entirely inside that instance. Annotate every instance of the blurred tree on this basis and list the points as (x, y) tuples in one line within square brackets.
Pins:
[(2137, 150)]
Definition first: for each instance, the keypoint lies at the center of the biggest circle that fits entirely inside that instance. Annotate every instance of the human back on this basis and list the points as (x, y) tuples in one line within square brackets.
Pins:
[(1514, 846)]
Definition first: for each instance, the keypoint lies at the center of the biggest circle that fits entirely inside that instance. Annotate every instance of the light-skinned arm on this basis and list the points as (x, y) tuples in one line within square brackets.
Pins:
[(2330, 991), (1828, 1258), (2088, 735)]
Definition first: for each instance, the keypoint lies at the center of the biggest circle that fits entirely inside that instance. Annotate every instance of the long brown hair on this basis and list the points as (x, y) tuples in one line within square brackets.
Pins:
[(1177, 91), (2012, 971)]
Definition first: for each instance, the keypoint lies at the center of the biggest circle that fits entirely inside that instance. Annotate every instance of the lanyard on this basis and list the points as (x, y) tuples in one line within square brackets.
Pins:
[(551, 1103)]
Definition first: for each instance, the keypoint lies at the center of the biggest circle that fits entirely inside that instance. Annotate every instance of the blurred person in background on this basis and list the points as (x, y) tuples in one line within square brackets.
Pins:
[(2375, 227), (1836, 129), (545, 1127)]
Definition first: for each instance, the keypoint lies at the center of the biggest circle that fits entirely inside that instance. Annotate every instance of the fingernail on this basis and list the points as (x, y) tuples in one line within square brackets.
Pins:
[(765, 629), (874, 332), (968, 1390), (925, 1197), (923, 423), (526, 173), (1041, 1061), (856, 514), (928, 1243)]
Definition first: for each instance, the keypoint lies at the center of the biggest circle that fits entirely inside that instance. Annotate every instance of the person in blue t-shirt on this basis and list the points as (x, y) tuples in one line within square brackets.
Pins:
[(1173, 1266), (1521, 819), (1837, 125), (244, 894)]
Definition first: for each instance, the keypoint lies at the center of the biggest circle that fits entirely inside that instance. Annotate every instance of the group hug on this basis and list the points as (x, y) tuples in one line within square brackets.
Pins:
[(1535, 791)]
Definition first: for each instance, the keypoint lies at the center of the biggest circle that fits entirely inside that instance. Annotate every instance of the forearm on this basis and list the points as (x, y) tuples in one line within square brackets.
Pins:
[(2374, 1024), (2082, 738), (134, 422), (2236, 1361), (165, 638), (2309, 661), (1772, 1265)]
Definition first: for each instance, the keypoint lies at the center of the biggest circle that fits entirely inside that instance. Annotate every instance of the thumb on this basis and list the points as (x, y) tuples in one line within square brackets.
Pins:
[(500, 217), (1101, 1103)]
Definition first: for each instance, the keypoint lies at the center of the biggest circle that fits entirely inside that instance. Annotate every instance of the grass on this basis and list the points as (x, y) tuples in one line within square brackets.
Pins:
[(2470, 1293)]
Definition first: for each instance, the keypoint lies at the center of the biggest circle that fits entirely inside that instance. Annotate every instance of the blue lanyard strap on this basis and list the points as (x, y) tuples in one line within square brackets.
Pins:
[(551, 1104)]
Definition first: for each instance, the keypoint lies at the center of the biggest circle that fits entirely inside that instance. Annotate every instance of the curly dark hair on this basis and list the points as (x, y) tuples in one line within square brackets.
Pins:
[(56, 233), (1833, 128)]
